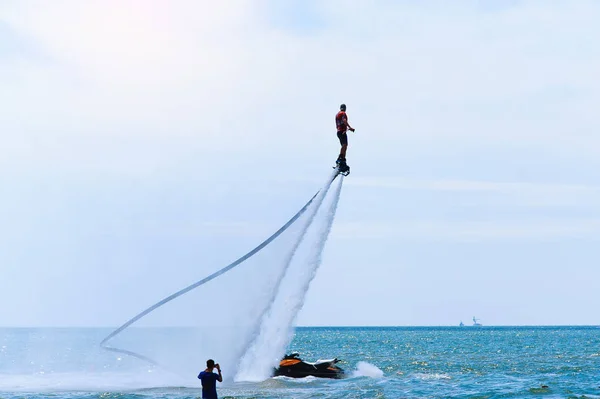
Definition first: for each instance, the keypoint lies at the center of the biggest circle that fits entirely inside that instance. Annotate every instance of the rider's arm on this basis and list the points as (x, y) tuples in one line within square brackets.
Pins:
[(345, 122)]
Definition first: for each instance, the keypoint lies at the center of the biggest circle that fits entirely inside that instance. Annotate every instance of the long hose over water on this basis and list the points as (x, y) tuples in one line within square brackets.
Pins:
[(207, 279)]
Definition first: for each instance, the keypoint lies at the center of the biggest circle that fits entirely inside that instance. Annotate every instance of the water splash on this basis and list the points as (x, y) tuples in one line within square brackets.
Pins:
[(248, 360), (365, 369), (239, 325), (276, 330)]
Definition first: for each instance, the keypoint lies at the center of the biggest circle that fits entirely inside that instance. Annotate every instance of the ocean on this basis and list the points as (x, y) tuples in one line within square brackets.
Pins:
[(381, 362)]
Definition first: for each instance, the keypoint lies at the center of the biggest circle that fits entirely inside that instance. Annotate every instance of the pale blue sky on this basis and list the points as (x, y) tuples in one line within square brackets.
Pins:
[(145, 146)]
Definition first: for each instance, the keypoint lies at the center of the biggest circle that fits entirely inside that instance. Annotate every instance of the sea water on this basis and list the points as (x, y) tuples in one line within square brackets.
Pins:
[(381, 362)]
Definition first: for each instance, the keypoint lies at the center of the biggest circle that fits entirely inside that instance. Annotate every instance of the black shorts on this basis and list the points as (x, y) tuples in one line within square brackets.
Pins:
[(343, 138)]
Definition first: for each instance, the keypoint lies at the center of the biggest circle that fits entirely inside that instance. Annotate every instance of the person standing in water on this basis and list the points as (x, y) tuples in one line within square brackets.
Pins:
[(209, 380)]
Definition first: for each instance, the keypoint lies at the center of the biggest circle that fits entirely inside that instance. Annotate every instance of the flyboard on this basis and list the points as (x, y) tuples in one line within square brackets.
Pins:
[(342, 168)]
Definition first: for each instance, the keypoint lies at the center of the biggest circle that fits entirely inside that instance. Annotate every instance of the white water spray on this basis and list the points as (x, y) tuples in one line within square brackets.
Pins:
[(364, 369), (276, 287), (276, 330), (254, 332)]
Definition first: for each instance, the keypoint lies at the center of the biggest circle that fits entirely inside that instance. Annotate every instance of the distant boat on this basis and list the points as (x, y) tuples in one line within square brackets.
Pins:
[(476, 322), (461, 324)]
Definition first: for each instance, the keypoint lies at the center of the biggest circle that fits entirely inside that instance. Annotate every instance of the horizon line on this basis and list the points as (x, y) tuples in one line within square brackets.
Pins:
[(315, 326)]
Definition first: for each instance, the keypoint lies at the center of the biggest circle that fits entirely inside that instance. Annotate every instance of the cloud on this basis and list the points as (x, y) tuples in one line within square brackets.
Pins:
[(519, 193), (471, 231), (163, 79), (224, 76)]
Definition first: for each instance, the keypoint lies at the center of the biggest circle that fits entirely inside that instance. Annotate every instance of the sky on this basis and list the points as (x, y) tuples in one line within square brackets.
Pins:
[(147, 144)]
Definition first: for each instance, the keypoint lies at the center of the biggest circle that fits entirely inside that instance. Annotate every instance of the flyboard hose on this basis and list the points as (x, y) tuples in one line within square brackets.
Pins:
[(201, 282)]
